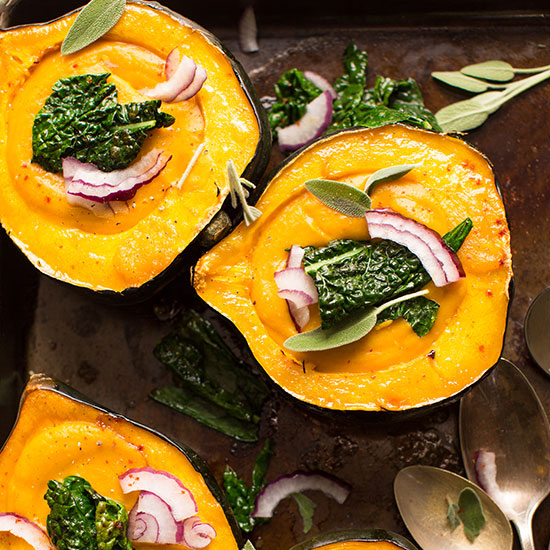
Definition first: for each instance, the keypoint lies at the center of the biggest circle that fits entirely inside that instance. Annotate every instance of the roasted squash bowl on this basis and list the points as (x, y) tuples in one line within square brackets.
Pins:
[(130, 248), (391, 368), (366, 539), (59, 433)]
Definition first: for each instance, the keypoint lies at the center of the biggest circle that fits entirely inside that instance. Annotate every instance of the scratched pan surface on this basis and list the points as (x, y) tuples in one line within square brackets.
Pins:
[(106, 352)]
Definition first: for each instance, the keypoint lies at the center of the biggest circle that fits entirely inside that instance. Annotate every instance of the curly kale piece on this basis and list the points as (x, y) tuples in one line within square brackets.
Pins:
[(351, 275), (82, 519), (83, 119)]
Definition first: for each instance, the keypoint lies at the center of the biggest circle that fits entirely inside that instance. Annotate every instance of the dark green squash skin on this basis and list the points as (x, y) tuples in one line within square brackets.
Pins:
[(363, 535), (253, 171), (386, 415), (45, 382)]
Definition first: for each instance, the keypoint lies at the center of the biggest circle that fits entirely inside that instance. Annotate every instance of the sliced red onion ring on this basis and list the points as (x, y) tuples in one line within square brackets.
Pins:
[(277, 490), (163, 484), (25, 529), (248, 31), (149, 503), (179, 79), (321, 82), (196, 84), (87, 181), (295, 256), (197, 534), (297, 288), (486, 475), (142, 527), (441, 263), (316, 120)]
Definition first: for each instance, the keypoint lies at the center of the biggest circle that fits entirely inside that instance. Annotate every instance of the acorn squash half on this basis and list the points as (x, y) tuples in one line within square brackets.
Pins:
[(360, 539), (60, 433), (391, 368), (128, 249)]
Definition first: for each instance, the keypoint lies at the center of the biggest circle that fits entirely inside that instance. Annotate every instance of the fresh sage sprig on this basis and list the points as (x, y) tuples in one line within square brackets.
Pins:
[(498, 71), (250, 213), (349, 200), (459, 80), (349, 330), (94, 20), (472, 113)]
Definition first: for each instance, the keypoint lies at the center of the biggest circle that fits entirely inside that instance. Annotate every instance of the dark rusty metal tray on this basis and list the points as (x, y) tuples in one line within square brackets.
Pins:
[(106, 352)]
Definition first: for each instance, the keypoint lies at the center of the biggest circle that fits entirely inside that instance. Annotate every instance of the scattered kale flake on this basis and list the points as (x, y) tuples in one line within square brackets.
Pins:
[(83, 119)]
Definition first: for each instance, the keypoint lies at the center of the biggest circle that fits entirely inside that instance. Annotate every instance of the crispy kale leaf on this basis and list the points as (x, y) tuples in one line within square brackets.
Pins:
[(242, 498), (214, 387), (294, 91), (82, 119), (351, 275), (388, 102), (82, 519)]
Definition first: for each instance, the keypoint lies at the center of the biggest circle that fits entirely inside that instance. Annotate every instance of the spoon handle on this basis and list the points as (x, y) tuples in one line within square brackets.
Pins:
[(525, 532)]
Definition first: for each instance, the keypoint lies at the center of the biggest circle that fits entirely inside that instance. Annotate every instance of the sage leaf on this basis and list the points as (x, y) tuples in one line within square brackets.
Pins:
[(344, 198), (349, 330), (471, 113), (248, 546), (452, 514), (467, 83), (388, 174), (498, 71), (306, 507), (471, 513), (94, 20)]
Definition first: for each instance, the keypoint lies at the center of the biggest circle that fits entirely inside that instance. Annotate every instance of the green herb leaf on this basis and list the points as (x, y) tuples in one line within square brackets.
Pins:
[(472, 113), (498, 71), (206, 412), (94, 20), (306, 508), (350, 330), (339, 196), (452, 514), (248, 546), (82, 119), (388, 174), (471, 513), (241, 498), (463, 82), (455, 237), (111, 521), (419, 312)]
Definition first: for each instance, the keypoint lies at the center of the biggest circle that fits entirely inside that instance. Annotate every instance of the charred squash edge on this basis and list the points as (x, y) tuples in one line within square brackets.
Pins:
[(359, 535)]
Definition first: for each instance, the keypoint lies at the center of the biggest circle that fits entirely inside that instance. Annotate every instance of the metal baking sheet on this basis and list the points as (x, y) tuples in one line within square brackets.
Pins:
[(106, 351)]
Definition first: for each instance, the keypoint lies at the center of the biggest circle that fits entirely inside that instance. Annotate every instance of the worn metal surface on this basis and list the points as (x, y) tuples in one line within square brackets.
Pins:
[(106, 352)]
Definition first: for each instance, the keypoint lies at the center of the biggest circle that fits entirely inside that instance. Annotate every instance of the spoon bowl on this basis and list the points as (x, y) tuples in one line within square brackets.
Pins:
[(421, 494), (537, 330), (503, 418)]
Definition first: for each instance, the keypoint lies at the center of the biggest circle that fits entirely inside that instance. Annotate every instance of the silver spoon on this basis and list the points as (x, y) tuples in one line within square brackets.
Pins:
[(421, 493), (537, 330), (504, 416)]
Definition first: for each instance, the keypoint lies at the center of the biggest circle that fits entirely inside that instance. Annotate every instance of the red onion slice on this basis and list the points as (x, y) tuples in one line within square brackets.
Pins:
[(297, 288), (196, 84), (25, 529), (321, 82), (316, 120), (197, 534), (179, 79), (248, 31), (149, 503), (441, 263), (295, 256), (486, 476), (277, 490), (87, 181), (163, 484), (142, 527)]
